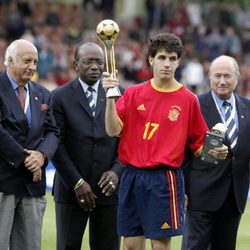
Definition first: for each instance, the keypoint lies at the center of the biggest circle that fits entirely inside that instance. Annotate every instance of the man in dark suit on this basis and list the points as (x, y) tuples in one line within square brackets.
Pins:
[(217, 193), (87, 169), (29, 138)]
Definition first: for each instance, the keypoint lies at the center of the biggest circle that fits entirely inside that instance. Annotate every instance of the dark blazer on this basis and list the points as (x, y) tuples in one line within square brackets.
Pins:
[(207, 185), (15, 134), (85, 150)]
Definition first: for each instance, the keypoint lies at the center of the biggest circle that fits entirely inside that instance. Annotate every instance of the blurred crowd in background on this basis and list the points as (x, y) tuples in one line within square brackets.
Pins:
[(207, 29)]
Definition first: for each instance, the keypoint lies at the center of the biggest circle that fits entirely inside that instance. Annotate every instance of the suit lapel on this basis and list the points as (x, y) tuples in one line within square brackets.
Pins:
[(35, 106), (82, 99), (209, 110), (101, 98), (13, 102), (241, 111), (80, 96)]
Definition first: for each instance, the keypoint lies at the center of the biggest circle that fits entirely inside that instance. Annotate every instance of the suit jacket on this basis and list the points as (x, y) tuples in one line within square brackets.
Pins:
[(207, 184), (15, 134), (85, 150)]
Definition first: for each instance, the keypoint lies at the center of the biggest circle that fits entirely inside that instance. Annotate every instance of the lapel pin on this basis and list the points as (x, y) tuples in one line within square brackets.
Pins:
[(36, 98), (242, 116)]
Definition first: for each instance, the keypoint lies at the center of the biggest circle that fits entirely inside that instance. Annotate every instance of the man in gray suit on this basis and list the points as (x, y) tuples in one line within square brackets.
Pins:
[(217, 193), (29, 138), (87, 168)]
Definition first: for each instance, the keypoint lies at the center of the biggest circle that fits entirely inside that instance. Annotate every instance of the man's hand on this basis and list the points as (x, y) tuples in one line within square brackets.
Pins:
[(219, 153), (108, 182), (37, 175), (85, 197), (34, 160), (108, 81)]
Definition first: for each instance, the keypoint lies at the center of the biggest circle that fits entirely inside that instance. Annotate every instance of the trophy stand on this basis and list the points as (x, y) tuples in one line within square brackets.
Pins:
[(107, 31)]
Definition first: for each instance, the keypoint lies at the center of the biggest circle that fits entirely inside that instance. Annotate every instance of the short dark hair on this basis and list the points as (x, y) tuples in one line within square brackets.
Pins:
[(165, 41), (82, 44)]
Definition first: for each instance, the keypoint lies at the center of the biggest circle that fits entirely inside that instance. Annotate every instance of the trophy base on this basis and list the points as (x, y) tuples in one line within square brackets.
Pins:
[(212, 140), (113, 92)]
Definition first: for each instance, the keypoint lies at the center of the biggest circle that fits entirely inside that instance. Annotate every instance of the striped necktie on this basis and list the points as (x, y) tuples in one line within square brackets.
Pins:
[(232, 132), (90, 98)]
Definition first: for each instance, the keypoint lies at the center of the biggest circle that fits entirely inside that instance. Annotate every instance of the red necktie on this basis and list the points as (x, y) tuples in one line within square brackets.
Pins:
[(21, 96)]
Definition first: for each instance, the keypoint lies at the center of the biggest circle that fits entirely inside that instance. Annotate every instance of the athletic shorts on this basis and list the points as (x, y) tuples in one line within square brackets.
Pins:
[(151, 203)]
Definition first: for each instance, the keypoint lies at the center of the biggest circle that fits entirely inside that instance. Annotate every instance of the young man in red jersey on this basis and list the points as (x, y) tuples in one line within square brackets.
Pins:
[(155, 120)]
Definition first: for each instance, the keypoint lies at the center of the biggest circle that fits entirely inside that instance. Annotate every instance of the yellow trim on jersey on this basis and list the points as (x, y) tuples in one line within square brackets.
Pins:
[(120, 121), (198, 151), (153, 85)]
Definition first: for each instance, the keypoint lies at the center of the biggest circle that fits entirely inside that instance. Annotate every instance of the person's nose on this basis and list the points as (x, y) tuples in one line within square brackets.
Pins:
[(167, 62), (95, 66), (32, 66), (222, 79)]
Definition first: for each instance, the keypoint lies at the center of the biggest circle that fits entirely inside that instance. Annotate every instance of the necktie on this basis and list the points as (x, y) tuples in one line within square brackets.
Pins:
[(90, 98), (232, 132), (21, 96)]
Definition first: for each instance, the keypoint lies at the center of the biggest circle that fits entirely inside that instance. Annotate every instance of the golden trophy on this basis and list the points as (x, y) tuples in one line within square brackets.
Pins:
[(107, 31)]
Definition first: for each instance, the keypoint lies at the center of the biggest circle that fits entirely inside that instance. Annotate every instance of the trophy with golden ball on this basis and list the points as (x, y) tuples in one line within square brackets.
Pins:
[(107, 32)]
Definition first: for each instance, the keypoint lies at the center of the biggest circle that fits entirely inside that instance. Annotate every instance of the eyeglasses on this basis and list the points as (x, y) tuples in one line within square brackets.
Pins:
[(89, 62)]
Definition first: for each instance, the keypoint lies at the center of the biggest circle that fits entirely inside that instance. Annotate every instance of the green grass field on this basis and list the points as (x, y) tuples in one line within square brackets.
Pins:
[(49, 230)]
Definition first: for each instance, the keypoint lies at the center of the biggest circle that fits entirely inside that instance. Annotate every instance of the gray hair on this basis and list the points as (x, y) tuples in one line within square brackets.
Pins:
[(236, 66), (12, 49)]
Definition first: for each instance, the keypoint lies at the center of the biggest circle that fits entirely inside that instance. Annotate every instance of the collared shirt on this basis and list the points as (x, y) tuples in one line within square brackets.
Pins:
[(219, 105), (95, 87), (15, 86)]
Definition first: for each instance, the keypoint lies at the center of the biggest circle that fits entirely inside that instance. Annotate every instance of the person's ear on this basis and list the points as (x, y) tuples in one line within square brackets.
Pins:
[(10, 61), (179, 61), (76, 65), (151, 60)]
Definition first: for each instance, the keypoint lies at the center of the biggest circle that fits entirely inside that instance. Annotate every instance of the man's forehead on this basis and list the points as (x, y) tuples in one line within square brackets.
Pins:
[(27, 54), (165, 53), (91, 54), (222, 66)]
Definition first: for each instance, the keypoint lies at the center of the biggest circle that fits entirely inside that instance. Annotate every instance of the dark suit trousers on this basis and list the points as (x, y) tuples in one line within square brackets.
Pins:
[(212, 230), (71, 222)]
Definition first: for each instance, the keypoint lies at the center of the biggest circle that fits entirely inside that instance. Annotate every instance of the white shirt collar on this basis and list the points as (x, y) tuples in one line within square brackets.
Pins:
[(220, 101), (85, 85)]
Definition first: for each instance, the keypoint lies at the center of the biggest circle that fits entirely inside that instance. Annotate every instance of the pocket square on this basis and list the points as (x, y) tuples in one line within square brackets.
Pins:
[(44, 106)]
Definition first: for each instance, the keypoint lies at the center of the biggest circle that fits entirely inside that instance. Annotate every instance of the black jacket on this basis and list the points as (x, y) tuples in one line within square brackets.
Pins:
[(85, 150), (207, 184)]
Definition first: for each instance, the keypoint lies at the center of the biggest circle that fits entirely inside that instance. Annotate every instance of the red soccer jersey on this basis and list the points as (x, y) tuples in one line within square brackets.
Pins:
[(158, 125)]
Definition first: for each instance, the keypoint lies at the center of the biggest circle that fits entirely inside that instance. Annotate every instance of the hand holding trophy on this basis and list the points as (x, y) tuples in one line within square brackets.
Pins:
[(213, 139), (107, 31)]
